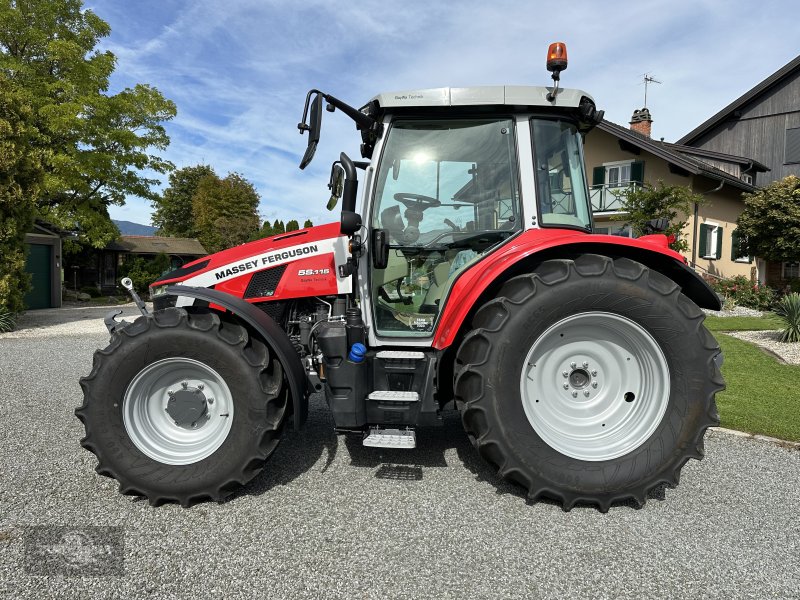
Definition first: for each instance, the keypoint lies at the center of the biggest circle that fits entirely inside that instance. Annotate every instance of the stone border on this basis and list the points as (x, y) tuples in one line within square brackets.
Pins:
[(761, 438)]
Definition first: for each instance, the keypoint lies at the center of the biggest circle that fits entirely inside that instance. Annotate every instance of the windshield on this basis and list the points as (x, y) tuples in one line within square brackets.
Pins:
[(560, 181), (446, 193)]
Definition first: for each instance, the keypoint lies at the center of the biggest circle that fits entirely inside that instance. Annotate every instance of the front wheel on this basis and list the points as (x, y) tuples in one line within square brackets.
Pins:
[(183, 407), (589, 381)]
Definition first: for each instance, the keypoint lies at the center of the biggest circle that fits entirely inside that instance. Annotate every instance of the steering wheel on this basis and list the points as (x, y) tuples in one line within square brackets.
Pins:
[(416, 201)]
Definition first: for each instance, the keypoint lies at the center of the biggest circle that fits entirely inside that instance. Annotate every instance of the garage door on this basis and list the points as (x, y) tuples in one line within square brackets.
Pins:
[(37, 263)]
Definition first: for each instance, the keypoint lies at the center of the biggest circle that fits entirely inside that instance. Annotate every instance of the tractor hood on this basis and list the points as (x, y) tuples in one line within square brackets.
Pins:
[(290, 265)]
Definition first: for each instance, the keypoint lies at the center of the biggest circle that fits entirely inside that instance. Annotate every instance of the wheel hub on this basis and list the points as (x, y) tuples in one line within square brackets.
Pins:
[(188, 407), (595, 386)]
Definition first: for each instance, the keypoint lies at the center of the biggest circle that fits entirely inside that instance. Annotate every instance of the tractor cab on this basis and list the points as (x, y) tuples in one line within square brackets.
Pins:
[(453, 174)]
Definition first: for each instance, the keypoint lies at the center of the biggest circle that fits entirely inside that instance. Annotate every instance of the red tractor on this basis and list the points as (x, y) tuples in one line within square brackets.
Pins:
[(579, 362)]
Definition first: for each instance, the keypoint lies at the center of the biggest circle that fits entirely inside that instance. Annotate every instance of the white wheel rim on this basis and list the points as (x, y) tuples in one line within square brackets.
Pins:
[(153, 429), (595, 386)]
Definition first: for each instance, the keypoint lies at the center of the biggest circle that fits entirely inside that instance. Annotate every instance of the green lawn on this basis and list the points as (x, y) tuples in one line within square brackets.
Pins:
[(762, 395), (768, 321)]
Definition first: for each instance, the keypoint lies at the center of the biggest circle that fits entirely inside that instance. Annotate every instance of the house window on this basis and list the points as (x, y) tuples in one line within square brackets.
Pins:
[(738, 251), (618, 175), (747, 178), (792, 151), (790, 270), (710, 246)]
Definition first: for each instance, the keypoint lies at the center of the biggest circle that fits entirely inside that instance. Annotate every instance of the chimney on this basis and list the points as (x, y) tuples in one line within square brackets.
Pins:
[(642, 122)]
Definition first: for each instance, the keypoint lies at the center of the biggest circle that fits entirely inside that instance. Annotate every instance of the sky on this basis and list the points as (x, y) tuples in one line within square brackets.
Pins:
[(239, 70)]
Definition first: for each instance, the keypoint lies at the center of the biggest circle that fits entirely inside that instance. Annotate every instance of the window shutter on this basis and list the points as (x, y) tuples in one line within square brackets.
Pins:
[(598, 176), (637, 171), (736, 251), (703, 241), (718, 253)]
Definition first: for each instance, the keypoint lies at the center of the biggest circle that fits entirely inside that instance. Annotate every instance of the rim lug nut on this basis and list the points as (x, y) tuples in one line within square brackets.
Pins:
[(594, 373), (565, 373), (585, 365), (210, 401), (586, 393), (200, 386), (184, 385), (574, 394), (566, 386), (594, 384), (194, 425), (573, 364)]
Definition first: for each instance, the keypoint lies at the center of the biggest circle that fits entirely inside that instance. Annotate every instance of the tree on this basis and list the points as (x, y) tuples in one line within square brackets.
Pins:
[(671, 202), (173, 209), (97, 145), (307, 224), (278, 227), (292, 225), (226, 211), (21, 176), (770, 222)]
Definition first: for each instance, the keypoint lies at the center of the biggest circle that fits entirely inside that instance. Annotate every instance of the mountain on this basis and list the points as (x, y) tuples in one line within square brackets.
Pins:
[(129, 228)]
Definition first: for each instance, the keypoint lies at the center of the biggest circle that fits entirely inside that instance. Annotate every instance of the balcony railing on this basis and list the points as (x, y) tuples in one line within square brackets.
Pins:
[(608, 198)]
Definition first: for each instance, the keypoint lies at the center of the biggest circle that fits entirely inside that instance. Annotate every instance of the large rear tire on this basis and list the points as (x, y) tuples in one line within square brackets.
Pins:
[(590, 380), (183, 407)]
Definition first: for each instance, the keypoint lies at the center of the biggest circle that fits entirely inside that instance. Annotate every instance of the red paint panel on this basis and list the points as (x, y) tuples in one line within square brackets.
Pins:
[(471, 284)]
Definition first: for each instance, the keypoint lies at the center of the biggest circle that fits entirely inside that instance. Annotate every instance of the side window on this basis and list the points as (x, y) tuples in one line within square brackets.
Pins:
[(738, 252), (792, 150), (710, 241)]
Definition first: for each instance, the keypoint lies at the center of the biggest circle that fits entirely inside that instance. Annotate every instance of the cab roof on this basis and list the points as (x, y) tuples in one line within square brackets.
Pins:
[(516, 95)]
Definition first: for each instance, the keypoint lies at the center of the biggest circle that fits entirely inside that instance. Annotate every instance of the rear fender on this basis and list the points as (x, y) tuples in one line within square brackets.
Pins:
[(268, 329), (521, 255)]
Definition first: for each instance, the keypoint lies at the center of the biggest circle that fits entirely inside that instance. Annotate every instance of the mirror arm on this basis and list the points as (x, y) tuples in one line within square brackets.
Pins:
[(302, 126), (363, 121)]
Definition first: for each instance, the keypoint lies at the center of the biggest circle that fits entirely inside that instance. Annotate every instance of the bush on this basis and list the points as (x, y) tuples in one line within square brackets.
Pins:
[(788, 311), (91, 290), (743, 292), (7, 320), (143, 272)]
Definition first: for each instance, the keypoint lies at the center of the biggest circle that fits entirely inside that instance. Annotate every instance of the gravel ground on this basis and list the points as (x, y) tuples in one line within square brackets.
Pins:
[(331, 519), (790, 353), (736, 311)]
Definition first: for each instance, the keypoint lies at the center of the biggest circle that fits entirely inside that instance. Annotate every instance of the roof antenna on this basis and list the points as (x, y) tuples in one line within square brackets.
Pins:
[(648, 79)]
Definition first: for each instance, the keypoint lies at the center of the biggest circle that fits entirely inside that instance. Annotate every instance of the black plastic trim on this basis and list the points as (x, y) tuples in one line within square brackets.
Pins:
[(272, 334)]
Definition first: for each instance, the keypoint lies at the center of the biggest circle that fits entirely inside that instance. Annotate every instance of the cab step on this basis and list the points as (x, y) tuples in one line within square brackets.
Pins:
[(393, 396), (390, 438), (400, 355)]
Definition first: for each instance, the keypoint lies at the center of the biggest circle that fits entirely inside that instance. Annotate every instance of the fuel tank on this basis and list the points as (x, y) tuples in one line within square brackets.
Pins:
[(297, 264)]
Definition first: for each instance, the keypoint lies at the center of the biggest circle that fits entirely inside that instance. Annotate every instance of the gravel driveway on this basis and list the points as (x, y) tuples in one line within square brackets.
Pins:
[(330, 519)]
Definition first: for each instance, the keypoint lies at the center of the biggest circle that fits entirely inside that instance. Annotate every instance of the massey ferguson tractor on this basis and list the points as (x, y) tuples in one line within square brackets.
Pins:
[(469, 276)]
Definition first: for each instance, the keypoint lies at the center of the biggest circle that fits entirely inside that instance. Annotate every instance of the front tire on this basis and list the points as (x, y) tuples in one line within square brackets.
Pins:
[(590, 380), (183, 407)]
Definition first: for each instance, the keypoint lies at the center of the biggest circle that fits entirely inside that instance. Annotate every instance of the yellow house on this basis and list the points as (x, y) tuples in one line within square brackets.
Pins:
[(619, 158)]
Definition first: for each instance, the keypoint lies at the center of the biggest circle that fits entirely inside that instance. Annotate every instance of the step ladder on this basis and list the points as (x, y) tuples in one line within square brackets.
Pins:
[(378, 437)]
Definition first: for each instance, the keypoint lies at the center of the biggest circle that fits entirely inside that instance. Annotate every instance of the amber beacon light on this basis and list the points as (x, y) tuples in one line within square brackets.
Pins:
[(557, 57)]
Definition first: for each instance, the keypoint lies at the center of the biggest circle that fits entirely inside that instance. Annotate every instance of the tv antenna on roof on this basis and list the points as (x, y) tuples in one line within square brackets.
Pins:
[(648, 79)]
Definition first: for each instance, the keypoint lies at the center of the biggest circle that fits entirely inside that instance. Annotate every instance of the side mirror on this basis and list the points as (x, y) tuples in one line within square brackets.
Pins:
[(314, 127), (351, 220), (335, 185), (380, 248)]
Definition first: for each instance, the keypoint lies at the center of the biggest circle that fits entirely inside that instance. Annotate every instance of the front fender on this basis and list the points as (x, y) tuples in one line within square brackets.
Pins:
[(523, 252), (268, 329)]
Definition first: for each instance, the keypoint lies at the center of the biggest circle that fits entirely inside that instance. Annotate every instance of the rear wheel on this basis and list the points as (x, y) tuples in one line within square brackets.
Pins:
[(589, 381), (183, 407)]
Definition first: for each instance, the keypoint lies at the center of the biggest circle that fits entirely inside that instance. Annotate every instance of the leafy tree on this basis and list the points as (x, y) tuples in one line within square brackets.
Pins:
[(266, 230), (226, 211), (770, 222), (292, 225), (307, 224), (671, 202), (173, 209), (97, 144), (278, 227), (20, 179)]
